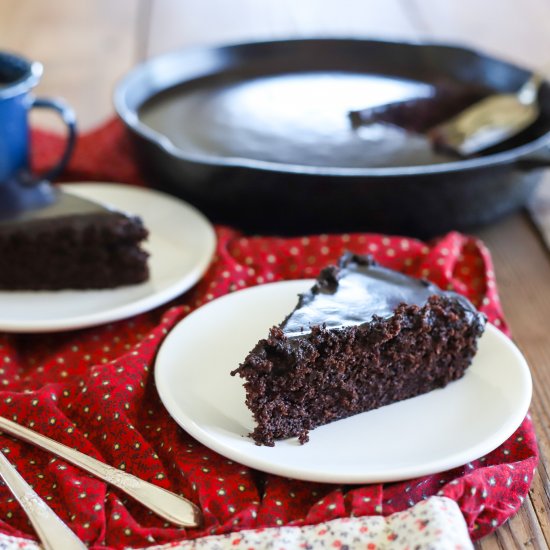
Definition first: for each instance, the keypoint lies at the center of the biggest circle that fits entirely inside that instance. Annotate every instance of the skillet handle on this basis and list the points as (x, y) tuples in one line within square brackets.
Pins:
[(538, 159)]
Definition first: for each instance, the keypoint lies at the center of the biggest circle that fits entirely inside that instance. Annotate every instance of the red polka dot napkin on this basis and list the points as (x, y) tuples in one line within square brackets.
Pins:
[(93, 390)]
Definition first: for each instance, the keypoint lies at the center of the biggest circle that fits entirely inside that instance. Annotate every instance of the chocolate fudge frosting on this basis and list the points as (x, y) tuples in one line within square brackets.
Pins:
[(65, 205), (356, 291)]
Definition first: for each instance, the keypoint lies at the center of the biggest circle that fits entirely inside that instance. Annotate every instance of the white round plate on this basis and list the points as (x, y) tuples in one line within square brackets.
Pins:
[(181, 244), (427, 434)]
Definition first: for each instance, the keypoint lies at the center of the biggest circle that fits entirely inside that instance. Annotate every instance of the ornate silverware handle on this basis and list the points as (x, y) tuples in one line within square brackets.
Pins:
[(170, 506), (52, 532)]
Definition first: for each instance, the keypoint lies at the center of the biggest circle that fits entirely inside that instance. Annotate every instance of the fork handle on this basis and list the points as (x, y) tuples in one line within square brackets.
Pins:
[(170, 506), (51, 531)]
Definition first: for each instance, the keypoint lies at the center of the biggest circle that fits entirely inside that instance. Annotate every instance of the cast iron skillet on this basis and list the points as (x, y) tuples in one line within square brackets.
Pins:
[(255, 136)]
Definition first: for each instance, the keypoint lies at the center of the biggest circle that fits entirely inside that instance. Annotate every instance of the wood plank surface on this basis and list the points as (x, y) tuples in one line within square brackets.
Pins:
[(517, 31), (87, 46), (177, 23)]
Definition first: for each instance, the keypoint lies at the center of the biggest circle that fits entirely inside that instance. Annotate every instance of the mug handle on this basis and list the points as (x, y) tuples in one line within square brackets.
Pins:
[(69, 118)]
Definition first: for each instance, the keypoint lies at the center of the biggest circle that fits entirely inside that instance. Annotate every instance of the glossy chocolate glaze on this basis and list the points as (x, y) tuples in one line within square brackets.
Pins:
[(356, 291)]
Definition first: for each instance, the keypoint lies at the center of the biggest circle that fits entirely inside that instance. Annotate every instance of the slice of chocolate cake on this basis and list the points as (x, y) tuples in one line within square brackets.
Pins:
[(73, 243), (363, 337)]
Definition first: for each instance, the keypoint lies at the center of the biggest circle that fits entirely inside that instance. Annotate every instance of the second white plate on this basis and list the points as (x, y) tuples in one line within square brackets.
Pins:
[(430, 433), (181, 244)]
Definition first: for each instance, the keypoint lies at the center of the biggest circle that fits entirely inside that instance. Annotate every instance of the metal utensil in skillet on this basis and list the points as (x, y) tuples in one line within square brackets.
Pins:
[(472, 127), (490, 121)]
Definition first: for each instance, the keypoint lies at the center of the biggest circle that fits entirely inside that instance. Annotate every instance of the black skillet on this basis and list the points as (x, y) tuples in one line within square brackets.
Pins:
[(259, 136)]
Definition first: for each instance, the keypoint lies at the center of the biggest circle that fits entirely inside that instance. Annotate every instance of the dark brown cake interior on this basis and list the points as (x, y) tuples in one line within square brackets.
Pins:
[(373, 353), (74, 244)]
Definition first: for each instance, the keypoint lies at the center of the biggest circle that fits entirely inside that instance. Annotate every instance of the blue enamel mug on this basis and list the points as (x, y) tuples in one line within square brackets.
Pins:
[(18, 76)]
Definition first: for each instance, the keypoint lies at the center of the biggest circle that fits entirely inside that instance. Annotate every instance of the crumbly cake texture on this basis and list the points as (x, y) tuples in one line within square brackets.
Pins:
[(90, 251), (299, 379)]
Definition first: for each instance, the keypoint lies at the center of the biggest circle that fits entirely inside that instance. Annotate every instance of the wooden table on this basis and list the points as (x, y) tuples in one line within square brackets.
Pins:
[(86, 46)]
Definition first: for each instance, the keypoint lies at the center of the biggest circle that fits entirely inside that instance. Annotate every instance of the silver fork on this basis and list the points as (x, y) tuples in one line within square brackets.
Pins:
[(51, 531)]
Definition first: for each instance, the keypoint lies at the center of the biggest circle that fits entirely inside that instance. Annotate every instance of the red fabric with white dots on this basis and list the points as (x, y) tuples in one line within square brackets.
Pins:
[(93, 389)]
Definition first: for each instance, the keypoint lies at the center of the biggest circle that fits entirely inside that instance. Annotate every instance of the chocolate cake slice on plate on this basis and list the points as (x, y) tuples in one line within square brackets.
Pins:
[(72, 243), (363, 337)]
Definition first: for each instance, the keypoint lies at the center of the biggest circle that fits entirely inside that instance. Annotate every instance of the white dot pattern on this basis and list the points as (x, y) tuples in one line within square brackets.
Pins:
[(94, 389)]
